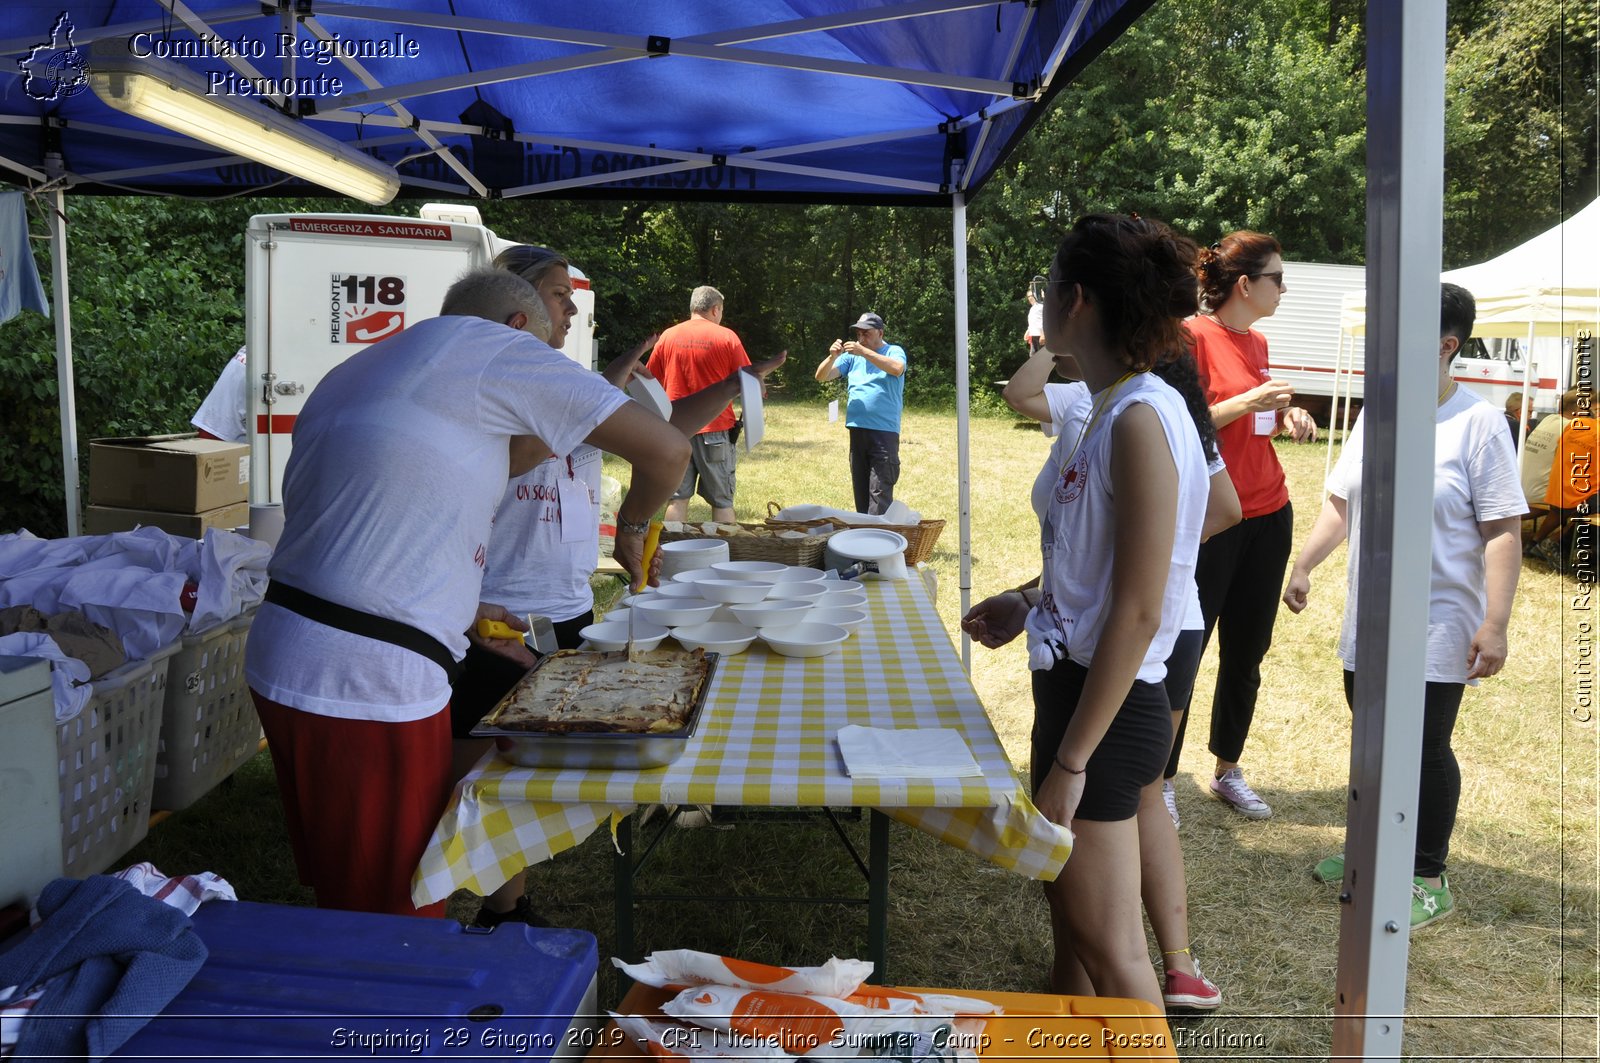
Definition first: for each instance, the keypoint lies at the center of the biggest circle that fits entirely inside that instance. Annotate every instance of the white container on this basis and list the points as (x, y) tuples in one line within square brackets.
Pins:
[(797, 574), (612, 635), (762, 570), (849, 619), (677, 590), (805, 640), (686, 554), (796, 592), (266, 522), (772, 614), (842, 600), (674, 612), (732, 591), (690, 575), (715, 637), (885, 549)]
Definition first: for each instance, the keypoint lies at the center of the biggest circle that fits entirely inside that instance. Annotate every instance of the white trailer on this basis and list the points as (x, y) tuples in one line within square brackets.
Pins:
[(320, 287), (1303, 337)]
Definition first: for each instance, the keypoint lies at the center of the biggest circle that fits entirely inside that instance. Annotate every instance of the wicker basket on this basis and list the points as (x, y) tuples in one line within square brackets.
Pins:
[(209, 726), (806, 552), (920, 538), (106, 764)]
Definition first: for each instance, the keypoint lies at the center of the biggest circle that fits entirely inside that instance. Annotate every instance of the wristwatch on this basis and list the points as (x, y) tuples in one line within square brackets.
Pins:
[(633, 527)]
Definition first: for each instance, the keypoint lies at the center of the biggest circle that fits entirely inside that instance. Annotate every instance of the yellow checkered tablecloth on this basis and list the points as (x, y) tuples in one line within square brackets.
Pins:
[(766, 738)]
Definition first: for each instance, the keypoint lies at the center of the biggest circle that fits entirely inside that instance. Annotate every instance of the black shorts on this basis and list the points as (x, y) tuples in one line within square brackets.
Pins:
[(1129, 757)]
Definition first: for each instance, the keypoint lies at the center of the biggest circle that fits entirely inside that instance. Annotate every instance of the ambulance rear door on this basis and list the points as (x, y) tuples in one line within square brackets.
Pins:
[(319, 288)]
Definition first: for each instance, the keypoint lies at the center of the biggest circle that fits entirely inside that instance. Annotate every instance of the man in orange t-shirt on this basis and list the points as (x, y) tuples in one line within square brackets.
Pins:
[(1574, 479), (689, 357)]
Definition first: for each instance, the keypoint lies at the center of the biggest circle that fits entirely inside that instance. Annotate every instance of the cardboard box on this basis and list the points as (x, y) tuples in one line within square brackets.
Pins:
[(174, 474), (99, 520)]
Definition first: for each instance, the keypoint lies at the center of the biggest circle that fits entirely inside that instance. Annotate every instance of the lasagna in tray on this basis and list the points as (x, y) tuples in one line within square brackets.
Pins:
[(578, 691)]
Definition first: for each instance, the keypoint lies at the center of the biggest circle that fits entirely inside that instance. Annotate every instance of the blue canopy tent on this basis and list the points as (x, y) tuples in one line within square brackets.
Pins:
[(843, 101)]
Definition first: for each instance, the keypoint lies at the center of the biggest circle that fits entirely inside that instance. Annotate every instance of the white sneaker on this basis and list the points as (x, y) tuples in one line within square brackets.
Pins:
[(1170, 797), (1235, 791)]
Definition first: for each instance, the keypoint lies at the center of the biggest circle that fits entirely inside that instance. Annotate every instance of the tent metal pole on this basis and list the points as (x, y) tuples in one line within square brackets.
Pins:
[(1527, 394), (62, 312), (1405, 203), (958, 240), (1333, 410)]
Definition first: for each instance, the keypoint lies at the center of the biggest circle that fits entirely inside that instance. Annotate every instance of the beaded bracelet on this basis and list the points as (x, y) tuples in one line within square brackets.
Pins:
[(1069, 771)]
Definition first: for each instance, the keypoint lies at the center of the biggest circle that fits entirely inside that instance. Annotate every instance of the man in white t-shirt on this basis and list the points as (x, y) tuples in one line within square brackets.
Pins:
[(400, 457), (224, 413), (1477, 555)]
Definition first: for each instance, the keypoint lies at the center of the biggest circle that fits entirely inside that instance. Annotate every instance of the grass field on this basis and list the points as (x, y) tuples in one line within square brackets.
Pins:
[(1512, 974)]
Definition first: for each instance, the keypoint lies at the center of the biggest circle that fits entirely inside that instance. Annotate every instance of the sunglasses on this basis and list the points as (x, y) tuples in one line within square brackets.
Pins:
[(1276, 276)]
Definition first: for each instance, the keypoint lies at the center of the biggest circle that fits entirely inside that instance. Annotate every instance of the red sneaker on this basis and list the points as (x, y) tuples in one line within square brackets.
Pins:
[(1191, 991)]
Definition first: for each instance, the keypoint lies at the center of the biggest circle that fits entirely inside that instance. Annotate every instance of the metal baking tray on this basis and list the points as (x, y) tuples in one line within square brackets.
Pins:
[(600, 749)]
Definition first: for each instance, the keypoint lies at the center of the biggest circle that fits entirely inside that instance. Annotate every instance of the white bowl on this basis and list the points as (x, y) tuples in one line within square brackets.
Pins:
[(695, 547), (697, 573), (676, 590), (715, 637), (796, 592), (762, 570), (798, 574), (673, 612), (849, 619), (613, 635), (805, 640), (842, 600), (772, 614), (732, 591)]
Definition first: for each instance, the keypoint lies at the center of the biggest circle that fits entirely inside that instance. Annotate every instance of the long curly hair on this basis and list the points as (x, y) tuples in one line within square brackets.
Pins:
[(1141, 275), (1183, 375)]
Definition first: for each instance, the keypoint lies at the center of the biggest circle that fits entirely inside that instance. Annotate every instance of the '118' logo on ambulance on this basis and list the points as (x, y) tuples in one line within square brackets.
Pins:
[(365, 308)]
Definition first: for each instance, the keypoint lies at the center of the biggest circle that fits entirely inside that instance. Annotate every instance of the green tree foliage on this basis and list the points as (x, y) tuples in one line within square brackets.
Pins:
[(1521, 137), (1208, 114)]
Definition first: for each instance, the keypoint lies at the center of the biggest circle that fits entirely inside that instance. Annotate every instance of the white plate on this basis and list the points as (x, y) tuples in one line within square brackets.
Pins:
[(798, 574), (697, 573), (762, 570), (612, 635), (789, 592), (867, 544), (675, 590), (772, 614), (805, 640), (673, 612), (841, 600), (755, 422), (651, 395), (715, 637), (849, 619), (732, 591)]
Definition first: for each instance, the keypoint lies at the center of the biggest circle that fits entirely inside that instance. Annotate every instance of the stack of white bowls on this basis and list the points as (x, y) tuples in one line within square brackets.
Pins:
[(686, 554)]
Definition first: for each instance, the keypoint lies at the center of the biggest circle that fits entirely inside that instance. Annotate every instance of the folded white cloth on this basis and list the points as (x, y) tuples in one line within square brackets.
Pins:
[(914, 753)]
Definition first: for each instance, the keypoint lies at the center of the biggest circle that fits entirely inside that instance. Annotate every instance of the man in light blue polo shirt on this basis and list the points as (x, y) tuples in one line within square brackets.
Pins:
[(875, 373)]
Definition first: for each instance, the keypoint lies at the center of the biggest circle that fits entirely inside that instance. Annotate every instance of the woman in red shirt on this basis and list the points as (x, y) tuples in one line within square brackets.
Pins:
[(1240, 570)]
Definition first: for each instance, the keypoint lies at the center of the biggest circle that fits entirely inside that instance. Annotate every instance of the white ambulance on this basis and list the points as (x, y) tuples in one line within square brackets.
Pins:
[(319, 287)]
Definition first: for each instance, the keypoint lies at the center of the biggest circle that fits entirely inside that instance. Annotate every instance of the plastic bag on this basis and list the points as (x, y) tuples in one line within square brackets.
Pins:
[(686, 967)]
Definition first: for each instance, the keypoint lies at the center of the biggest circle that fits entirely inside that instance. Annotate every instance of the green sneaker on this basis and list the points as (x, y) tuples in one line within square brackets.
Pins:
[(1429, 905), (1330, 870)]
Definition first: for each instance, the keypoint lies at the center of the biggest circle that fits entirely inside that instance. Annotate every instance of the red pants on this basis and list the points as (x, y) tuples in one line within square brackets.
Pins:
[(361, 799)]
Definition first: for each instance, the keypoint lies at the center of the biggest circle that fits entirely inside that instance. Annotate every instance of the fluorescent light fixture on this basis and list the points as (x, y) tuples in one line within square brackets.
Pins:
[(176, 97)]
